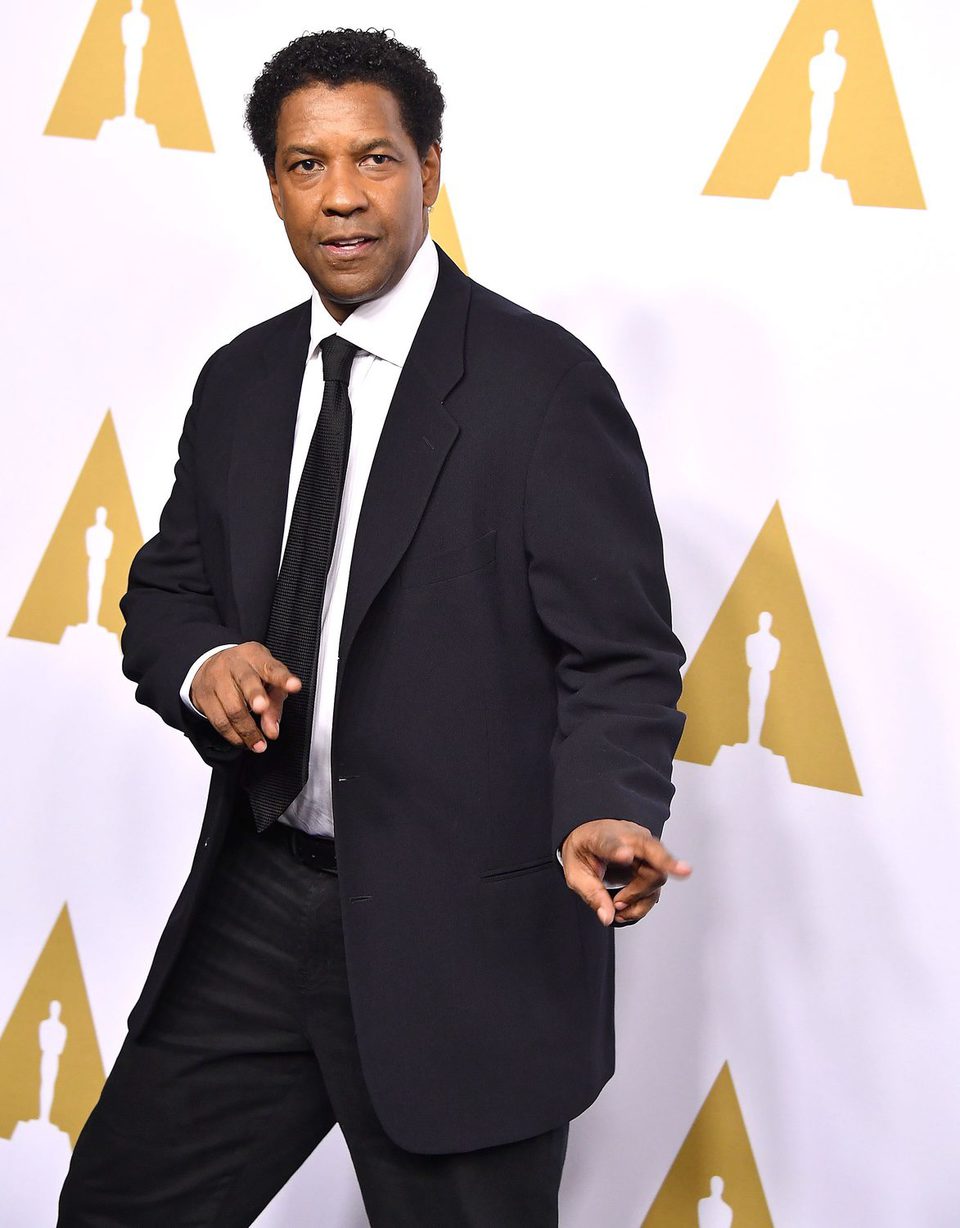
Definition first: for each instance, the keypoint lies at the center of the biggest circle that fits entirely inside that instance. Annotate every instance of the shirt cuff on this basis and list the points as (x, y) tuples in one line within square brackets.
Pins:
[(192, 673)]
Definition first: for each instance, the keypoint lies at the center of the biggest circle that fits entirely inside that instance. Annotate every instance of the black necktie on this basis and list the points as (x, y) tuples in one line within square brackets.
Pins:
[(276, 776)]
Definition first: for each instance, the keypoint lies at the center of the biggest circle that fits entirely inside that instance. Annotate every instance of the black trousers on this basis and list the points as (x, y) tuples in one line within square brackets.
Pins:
[(250, 1059)]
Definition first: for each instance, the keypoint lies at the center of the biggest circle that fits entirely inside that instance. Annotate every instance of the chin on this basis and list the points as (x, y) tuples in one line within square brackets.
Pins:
[(352, 294)]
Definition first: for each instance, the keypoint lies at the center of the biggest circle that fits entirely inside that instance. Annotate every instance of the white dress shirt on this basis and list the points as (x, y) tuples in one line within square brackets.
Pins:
[(383, 329)]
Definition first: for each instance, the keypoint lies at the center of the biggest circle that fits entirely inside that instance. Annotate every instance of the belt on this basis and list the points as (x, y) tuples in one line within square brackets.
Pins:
[(317, 852)]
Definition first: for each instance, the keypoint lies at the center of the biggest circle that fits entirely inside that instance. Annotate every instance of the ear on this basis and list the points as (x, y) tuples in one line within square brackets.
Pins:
[(275, 191), (430, 175)]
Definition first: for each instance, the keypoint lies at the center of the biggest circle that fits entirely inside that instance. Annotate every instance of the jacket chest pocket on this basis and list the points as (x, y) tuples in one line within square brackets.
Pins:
[(461, 560)]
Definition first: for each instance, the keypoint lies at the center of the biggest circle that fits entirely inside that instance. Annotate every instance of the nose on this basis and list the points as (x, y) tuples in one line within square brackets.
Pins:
[(343, 190)]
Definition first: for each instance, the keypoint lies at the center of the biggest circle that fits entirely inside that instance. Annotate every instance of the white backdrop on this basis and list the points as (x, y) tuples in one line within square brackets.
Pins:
[(787, 1019)]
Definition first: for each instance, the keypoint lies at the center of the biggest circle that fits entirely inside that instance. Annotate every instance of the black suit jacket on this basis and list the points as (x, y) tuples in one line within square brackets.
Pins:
[(507, 671)]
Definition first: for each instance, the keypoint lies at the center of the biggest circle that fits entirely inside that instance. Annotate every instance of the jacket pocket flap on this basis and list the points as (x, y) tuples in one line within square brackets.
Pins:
[(459, 561)]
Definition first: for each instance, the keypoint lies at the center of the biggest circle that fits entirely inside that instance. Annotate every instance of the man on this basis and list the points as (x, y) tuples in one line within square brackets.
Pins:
[(463, 669)]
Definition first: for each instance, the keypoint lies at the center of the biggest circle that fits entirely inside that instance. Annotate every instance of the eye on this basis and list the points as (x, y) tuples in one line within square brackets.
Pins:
[(306, 164), (383, 159)]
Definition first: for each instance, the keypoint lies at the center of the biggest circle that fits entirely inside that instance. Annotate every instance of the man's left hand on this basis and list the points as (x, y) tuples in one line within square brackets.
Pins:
[(603, 847)]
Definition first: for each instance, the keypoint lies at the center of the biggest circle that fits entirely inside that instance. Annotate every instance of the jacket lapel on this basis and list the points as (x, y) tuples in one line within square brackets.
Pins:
[(260, 468), (417, 435)]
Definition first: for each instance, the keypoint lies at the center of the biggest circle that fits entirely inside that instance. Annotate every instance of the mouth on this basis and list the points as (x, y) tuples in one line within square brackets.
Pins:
[(348, 247)]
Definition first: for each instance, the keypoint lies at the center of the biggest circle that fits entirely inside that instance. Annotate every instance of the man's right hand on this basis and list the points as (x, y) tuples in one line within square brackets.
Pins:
[(236, 684)]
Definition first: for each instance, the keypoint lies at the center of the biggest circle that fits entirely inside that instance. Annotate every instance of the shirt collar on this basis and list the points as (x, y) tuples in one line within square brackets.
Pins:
[(384, 326)]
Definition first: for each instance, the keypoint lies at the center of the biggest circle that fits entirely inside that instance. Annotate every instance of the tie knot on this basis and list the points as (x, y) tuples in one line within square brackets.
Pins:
[(337, 356)]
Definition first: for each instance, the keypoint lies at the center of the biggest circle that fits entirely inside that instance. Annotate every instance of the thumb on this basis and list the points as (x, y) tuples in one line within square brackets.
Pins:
[(589, 887)]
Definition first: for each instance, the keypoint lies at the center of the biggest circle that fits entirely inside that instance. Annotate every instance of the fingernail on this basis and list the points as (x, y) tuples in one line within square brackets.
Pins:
[(260, 746), (619, 905)]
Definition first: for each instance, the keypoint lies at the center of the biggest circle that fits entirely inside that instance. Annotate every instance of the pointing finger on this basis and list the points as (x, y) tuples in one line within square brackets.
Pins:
[(627, 850), (277, 674), (649, 849)]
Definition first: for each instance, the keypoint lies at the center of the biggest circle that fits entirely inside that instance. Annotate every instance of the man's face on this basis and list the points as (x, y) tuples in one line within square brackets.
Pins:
[(346, 169)]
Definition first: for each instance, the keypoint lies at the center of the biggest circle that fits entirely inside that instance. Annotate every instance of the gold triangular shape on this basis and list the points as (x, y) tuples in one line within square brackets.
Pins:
[(58, 595), (56, 989), (714, 1179), (168, 99), (868, 147), (802, 722)]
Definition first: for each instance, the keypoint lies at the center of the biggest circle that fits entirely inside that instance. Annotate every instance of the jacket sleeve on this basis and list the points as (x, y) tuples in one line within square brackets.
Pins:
[(595, 568), (170, 611)]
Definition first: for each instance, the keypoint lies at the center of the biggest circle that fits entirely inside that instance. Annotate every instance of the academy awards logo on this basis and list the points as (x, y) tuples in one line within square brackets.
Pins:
[(713, 1182), (443, 229), (51, 1072), (823, 126), (131, 83), (74, 596), (757, 693)]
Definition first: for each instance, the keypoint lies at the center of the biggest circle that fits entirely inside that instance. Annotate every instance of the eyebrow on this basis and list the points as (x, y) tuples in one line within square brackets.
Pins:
[(369, 146), (365, 147)]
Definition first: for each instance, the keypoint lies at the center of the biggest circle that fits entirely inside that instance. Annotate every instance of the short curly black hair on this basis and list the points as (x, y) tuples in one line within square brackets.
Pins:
[(339, 57)]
